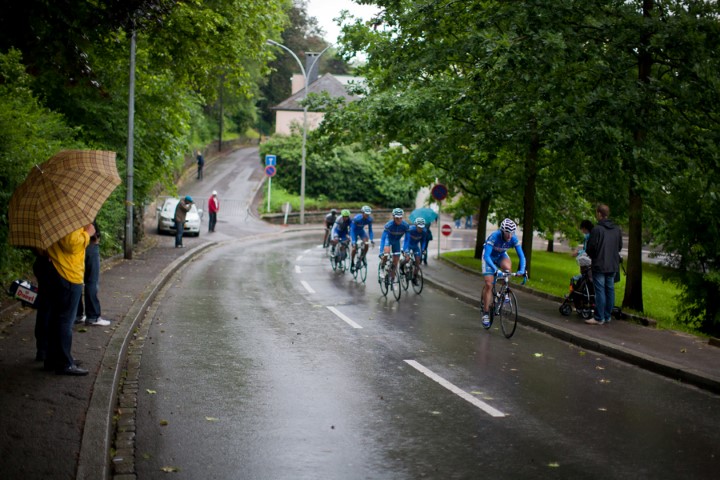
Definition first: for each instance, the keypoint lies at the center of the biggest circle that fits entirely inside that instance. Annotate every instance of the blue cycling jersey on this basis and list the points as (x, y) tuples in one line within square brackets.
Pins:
[(496, 248), (341, 227), (416, 239), (358, 225), (392, 233)]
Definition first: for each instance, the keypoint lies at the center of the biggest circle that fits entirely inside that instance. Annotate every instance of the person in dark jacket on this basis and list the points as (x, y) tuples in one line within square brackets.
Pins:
[(604, 247), (181, 210)]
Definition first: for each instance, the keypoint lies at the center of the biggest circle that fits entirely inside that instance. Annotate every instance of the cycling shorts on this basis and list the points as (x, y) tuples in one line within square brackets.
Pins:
[(416, 248), (342, 237), (488, 270), (395, 246), (361, 234)]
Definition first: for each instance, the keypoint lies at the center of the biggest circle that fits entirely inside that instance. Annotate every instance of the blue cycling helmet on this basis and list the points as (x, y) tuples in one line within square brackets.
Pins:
[(188, 198), (366, 209), (420, 222), (398, 213)]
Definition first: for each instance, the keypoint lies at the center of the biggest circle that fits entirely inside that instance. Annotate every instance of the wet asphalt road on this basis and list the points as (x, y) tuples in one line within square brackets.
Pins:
[(247, 374), (258, 379)]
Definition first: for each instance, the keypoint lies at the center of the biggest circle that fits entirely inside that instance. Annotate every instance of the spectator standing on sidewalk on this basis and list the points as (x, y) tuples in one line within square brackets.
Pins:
[(181, 210), (200, 164), (66, 276), (89, 306), (603, 247), (213, 207)]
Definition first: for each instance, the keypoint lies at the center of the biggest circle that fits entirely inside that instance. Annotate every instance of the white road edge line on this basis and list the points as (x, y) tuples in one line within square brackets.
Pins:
[(344, 317), (493, 412), (297, 269), (307, 286)]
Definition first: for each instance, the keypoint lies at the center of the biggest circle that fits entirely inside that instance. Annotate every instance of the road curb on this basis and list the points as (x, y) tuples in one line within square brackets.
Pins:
[(94, 457)]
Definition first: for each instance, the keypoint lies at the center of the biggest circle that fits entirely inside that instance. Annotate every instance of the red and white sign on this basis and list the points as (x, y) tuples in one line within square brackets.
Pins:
[(26, 295), (446, 229)]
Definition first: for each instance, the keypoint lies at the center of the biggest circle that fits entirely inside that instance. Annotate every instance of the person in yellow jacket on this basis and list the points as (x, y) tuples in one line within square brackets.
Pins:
[(66, 276)]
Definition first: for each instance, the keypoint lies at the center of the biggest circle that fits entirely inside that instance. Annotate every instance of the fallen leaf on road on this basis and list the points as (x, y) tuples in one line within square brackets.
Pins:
[(435, 412), (553, 465), (475, 392), (164, 423), (581, 353), (170, 469), (151, 392), (538, 355), (683, 350), (602, 409), (212, 419), (598, 367), (604, 380)]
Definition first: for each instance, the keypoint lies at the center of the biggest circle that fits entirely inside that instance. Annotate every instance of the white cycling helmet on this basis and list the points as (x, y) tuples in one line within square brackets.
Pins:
[(398, 213), (508, 226), (420, 222), (366, 209)]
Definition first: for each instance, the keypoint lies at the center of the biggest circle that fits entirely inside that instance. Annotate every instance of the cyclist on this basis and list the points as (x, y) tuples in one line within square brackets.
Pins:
[(496, 259), (416, 240), (340, 230), (392, 234), (329, 222), (357, 230)]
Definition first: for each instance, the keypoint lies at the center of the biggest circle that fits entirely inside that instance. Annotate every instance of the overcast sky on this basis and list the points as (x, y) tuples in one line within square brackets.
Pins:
[(326, 10)]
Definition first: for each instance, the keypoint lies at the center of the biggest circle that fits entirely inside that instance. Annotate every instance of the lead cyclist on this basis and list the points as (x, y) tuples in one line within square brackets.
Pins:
[(495, 258)]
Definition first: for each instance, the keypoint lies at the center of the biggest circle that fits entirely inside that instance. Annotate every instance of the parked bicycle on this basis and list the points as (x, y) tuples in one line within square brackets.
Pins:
[(360, 267), (389, 277), (504, 304), (339, 260), (412, 274)]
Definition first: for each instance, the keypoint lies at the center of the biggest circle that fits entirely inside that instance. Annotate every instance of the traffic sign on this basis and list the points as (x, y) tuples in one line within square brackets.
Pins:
[(446, 229), (270, 160), (270, 170), (439, 192)]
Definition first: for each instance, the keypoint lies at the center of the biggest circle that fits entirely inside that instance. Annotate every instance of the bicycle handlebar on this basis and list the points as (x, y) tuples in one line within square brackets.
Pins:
[(506, 275)]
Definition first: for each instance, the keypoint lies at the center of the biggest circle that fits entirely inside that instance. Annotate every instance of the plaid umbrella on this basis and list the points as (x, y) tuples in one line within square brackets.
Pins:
[(61, 195)]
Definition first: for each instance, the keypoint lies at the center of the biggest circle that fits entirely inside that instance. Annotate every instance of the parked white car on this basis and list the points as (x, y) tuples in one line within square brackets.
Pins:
[(166, 215)]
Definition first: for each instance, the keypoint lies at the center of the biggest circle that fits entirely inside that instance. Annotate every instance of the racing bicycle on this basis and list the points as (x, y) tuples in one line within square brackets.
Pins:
[(504, 304), (339, 260), (360, 267), (412, 274), (389, 277)]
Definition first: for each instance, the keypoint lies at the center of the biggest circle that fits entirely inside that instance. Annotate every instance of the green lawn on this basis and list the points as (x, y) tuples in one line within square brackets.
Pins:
[(551, 273)]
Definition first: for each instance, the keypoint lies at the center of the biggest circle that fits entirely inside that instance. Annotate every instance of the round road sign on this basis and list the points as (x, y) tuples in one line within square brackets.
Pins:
[(270, 170), (446, 229), (439, 192)]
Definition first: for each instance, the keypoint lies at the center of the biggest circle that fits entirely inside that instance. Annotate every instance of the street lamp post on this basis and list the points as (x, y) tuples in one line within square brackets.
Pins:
[(304, 132)]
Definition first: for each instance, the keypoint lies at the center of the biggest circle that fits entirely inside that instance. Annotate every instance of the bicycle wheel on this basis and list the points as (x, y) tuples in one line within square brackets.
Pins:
[(355, 271), (363, 269), (395, 284), (417, 282), (333, 262), (509, 314), (384, 284), (405, 276)]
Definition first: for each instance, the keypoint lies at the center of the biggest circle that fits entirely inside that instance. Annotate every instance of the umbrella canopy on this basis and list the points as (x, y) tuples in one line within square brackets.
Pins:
[(61, 195), (427, 213)]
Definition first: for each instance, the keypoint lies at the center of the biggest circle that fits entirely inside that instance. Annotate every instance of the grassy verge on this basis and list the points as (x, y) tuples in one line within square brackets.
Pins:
[(279, 196), (551, 273)]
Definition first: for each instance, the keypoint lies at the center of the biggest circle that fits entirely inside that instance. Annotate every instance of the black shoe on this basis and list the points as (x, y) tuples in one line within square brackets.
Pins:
[(72, 370)]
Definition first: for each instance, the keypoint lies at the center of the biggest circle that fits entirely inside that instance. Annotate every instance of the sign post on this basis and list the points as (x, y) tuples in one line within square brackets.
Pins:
[(439, 192), (270, 170)]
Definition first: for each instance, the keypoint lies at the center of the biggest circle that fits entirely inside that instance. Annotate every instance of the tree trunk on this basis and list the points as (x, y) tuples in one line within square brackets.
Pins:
[(633, 286), (529, 198), (551, 244), (483, 210)]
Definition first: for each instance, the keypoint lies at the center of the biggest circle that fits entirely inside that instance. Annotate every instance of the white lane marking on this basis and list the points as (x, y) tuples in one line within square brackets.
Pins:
[(308, 251), (307, 286), (297, 269), (299, 257), (344, 317), (457, 391)]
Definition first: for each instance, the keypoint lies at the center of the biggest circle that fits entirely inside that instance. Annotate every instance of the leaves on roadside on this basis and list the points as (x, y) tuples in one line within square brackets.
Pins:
[(582, 353), (212, 419), (151, 392), (537, 355), (683, 350), (553, 465), (170, 469), (164, 423), (604, 380)]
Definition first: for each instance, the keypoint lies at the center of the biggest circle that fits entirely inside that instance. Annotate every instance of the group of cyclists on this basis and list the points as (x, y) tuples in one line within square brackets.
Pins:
[(349, 230)]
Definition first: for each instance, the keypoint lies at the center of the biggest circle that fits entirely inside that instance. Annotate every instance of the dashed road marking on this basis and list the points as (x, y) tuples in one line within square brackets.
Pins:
[(307, 286), (297, 269), (493, 412), (344, 317)]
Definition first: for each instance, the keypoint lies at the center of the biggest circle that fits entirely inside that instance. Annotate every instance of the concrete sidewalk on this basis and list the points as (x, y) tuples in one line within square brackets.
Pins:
[(61, 427)]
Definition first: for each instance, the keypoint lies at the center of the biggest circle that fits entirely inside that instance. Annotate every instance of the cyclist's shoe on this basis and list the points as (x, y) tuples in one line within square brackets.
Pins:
[(414, 281), (486, 320)]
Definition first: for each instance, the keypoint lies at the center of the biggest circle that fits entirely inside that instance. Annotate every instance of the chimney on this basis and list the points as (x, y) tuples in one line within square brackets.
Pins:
[(310, 57)]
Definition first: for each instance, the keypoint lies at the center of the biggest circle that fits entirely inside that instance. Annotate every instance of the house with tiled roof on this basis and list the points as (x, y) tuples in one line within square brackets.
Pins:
[(289, 111)]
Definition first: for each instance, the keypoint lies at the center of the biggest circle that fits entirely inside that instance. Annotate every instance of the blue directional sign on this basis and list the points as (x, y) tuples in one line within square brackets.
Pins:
[(270, 160), (270, 170)]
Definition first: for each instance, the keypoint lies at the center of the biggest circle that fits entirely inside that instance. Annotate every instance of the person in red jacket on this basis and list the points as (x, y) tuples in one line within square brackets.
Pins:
[(213, 207)]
